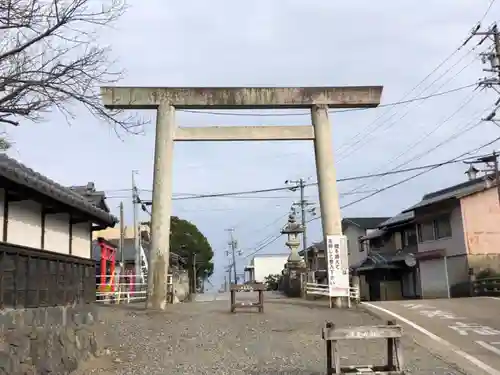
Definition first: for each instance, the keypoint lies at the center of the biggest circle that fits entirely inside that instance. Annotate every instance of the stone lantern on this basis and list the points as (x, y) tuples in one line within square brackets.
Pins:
[(292, 229)]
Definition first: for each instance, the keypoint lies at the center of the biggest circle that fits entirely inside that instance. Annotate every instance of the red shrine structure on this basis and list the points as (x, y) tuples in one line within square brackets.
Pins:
[(107, 264)]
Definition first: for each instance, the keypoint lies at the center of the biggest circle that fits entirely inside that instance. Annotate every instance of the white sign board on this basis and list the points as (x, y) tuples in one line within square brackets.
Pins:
[(338, 266)]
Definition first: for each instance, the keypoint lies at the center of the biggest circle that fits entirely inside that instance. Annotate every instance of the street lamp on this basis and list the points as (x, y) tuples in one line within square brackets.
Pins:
[(471, 173)]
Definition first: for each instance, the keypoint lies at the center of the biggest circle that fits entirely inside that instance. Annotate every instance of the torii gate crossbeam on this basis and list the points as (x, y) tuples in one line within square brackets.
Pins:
[(166, 99)]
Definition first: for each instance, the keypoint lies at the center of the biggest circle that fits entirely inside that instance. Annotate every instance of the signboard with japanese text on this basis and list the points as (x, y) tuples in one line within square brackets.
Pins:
[(338, 266)]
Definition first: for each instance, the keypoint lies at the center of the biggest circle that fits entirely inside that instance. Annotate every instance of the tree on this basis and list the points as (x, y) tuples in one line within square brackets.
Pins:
[(272, 282), (486, 273), (186, 240), (50, 58)]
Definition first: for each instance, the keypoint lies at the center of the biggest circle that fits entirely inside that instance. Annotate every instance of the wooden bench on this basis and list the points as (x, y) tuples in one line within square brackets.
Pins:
[(391, 332), (256, 287)]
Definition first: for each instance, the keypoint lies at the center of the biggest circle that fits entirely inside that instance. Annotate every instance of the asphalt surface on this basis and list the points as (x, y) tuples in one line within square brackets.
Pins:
[(204, 338), (471, 327)]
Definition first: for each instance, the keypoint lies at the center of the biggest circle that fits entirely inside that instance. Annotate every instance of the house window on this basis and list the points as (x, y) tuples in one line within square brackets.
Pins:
[(361, 244), (435, 230), (376, 243), (443, 227), (409, 237), (426, 231)]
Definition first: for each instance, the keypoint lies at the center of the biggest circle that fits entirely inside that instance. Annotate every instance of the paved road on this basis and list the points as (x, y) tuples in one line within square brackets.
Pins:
[(470, 327), (242, 296), (204, 338)]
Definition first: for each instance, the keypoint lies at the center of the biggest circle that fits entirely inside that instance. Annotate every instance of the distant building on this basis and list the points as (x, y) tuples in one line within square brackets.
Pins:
[(354, 228), (263, 265)]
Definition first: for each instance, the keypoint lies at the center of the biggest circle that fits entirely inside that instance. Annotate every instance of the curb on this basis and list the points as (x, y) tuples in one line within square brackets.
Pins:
[(381, 316), (376, 315)]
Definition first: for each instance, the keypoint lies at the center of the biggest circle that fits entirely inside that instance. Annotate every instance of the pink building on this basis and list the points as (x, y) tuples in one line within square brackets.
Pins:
[(458, 231), (432, 248)]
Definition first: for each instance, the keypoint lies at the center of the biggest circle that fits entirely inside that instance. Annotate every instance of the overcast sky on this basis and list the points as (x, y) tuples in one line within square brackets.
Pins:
[(283, 43)]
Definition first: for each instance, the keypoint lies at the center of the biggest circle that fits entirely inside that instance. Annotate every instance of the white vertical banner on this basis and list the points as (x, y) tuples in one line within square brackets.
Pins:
[(338, 266)]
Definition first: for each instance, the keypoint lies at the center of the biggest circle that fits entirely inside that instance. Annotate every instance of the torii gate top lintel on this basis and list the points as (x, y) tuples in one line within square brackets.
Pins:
[(241, 97)]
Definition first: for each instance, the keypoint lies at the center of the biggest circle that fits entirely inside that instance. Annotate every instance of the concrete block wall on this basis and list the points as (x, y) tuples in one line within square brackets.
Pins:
[(50, 340)]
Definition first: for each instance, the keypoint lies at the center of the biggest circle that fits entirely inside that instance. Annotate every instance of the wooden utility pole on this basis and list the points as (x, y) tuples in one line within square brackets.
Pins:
[(195, 278), (120, 248), (137, 236), (497, 174), (192, 274), (303, 204), (232, 247), (122, 239)]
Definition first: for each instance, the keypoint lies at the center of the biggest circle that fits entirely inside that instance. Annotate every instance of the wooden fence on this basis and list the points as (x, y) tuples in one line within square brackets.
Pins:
[(37, 278)]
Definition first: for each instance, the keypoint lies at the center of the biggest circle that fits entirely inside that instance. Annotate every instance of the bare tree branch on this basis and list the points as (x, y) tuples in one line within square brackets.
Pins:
[(50, 59)]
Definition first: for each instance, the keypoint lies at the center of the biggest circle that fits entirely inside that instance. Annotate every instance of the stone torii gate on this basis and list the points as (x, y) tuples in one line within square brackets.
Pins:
[(165, 100)]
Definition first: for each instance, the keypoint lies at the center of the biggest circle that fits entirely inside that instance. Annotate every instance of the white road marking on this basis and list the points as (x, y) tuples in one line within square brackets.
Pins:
[(477, 362), (489, 347)]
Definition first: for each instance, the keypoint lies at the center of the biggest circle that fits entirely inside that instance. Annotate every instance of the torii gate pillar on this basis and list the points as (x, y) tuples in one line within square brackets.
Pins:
[(165, 100)]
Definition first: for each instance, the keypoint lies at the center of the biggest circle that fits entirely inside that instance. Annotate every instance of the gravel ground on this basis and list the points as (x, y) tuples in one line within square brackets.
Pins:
[(204, 338)]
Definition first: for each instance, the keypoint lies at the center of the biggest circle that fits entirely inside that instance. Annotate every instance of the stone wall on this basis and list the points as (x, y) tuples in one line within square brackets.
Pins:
[(51, 340)]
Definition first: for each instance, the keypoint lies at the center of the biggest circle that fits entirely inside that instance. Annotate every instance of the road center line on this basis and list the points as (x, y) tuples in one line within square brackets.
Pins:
[(477, 362)]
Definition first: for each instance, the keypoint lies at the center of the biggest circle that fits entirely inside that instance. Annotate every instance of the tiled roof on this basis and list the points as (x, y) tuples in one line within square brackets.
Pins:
[(98, 198), (365, 222), (455, 191), (20, 174), (398, 219), (375, 234)]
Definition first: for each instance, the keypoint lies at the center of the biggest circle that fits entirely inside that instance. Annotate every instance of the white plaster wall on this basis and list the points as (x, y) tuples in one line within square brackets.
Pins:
[(268, 265), (81, 240), (57, 233), (353, 233), (25, 224)]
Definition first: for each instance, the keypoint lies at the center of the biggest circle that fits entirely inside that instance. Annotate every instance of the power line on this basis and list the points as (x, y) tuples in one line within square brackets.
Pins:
[(332, 111), (361, 140), (360, 177), (459, 132), (456, 50), (430, 168), (487, 11), (263, 246), (248, 192)]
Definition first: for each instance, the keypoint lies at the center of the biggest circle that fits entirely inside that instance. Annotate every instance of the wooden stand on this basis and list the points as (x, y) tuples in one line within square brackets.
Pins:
[(391, 332), (258, 287)]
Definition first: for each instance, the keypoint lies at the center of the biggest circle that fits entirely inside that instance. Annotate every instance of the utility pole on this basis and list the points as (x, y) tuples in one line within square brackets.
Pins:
[(122, 235), (491, 163), (137, 239), (232, 246), (493, 57), (303, 204), (192, 275)]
